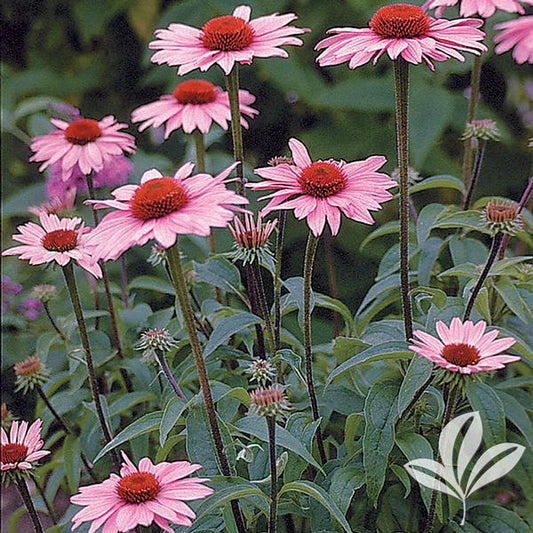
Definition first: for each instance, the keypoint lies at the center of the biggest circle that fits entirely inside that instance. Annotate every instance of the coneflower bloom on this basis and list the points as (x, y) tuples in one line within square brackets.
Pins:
[(225, 41), (83, 143), (322, 190), (59, 240), (141, 495), (23, 447), (464, 347), (162, 207), (402, 30), (516, 34), (194, 104), (251, 238), (483, 8)]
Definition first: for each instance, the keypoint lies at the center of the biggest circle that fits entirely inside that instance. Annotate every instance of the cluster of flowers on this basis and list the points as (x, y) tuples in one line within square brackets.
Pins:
[(162, 207)]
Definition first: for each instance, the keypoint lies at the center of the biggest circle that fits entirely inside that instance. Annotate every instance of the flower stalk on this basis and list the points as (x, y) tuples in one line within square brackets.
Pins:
[(109, 297), (161, 359), (46, 308), (475, 174), (472, 107), (401, 78), (26, 498), (271, 424), (310, 252), (180, 286), (232, 82), (493, 254), (282, 218), (70, 280)]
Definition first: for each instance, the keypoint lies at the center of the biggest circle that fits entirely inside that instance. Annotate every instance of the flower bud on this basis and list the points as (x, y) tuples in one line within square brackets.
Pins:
[(260, 371), (251, 239), (269, 401), (280, 160), (484, 129), (502, 216), (29, 373), (153, 341), (45, 293)]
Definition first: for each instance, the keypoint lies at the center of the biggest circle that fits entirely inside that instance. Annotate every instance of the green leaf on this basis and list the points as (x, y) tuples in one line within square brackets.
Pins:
[(344, 482), (436, 297), (219, 272), (327, 302), (72, 457), (467, 250), (199, 443), (172, 412), (386, 350), (227, 326), (384, 229), (429, 254), (482, 398), (151, 283), (417, 378), (381, 411), (460, 219), (426, 219), (514, 301), (517, 415), (321, 496), (345, 347), (435, 182), (257, 427), (127, 401), (142, 425), (494, 518)]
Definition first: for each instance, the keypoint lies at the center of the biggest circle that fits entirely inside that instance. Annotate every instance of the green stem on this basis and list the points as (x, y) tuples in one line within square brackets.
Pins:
[(26, 498), (232, 82), (401, 77), (272, 521), (277, 281), (475, 174), (472, 107), (332, 278), (52, 321), (493, 254), (310, 252), (109, 297), (451, 404), (180, 286), (70, 280), (263, 305)]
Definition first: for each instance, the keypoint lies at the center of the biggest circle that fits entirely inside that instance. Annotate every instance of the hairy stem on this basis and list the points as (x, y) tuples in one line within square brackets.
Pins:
[(263, 305), (161, 359), (232, 82), (493, 254), (180, 286), (472, 107), (332, 279), (70, 280), (310, 252), (26, 498), (272, 520), (282, 217), (53, 322), (124, 281), (451, 404), (475, 174), (401, 77)]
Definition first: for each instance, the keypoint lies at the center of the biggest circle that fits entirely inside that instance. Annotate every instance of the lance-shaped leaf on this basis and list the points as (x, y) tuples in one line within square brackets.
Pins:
[(498, 469)]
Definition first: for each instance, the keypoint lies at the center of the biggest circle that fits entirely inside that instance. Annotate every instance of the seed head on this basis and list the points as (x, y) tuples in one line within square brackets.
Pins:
[(153, 341), (45, 293), (260, 371), (502, 216), (29, 373), (269, 401)]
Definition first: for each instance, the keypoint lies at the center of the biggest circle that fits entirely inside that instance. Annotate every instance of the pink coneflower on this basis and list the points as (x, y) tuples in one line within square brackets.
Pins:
[(517, 34), (85, 143), (402, 30), (325, 189), (483, 8), (251, 238), (162, 207), (22, 447), (57, 240), (464, 347), (194, 104), (225, 41), (141, 496)]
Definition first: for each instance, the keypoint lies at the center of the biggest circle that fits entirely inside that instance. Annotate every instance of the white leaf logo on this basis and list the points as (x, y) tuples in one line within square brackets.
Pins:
[(448, 476)]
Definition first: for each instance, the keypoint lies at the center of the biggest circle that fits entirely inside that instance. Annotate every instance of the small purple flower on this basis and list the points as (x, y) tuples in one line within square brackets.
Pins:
[(31, 308), (114, 173), (9, 287)]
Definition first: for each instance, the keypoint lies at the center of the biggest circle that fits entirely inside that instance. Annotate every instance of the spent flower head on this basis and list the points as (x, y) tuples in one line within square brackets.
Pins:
[(269, 401), (29, 373), (155, 340), (502, 216), (44, 292), (484, 129), (251, 238), (260, 371)]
